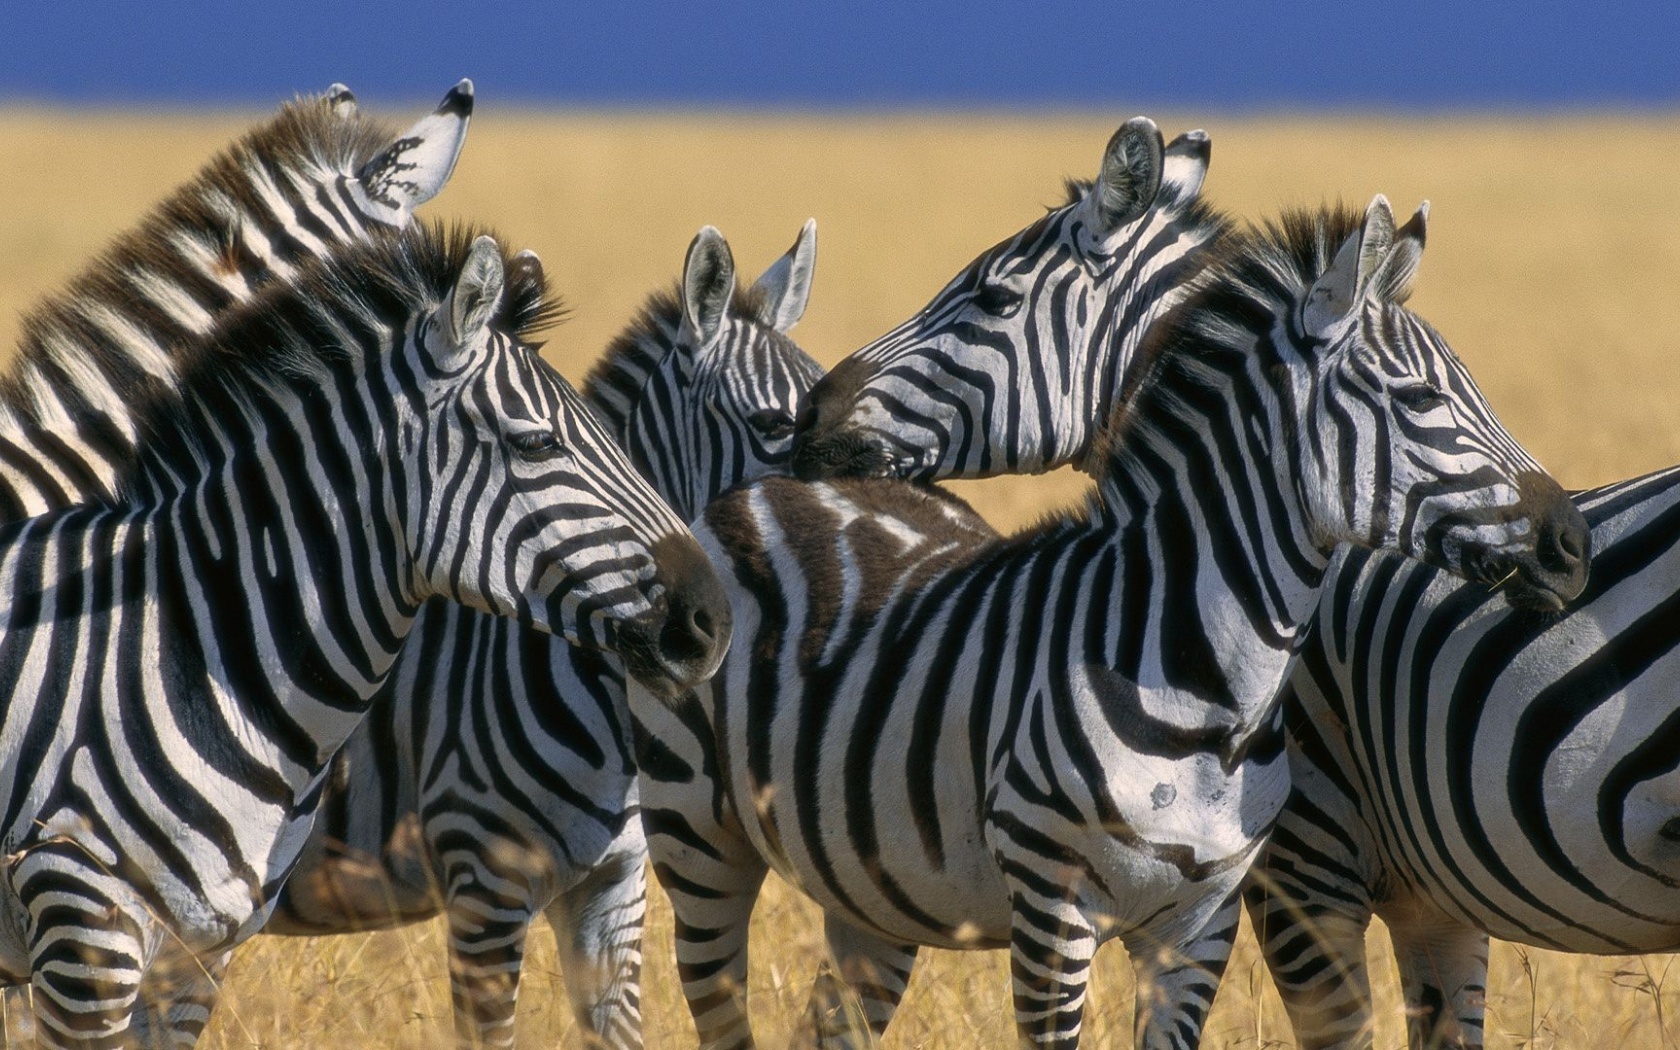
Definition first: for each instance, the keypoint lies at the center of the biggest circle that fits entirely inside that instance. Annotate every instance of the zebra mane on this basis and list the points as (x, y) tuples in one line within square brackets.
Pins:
[(614, 385), (306, 134), (1256, 275), (306, 328)]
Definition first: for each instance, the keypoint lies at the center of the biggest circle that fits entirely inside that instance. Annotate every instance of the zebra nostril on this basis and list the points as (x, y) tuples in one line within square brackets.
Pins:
[(1562, 546), (701, 625), (1572, 544), (683, 640)]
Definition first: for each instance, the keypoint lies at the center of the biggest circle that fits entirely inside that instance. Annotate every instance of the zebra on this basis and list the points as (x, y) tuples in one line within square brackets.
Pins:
[(1553, 817), (1072, 735), (315, 178), (494, 778), (1359, 835), (1012, 366), (182, 660)]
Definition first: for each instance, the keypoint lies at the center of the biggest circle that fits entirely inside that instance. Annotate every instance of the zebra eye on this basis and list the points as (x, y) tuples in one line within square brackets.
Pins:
[(772, 423), (997, 299), (1420, 397), (537, 445)]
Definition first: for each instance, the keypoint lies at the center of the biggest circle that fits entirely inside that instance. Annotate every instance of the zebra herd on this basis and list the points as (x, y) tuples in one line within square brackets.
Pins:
[(291, 503)]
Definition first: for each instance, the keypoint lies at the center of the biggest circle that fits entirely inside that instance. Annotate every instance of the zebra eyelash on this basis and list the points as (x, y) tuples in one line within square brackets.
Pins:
[(535, 446)]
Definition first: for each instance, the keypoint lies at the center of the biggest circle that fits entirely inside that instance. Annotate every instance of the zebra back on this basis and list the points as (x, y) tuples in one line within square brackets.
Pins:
[(315, 178), (1013, 366)]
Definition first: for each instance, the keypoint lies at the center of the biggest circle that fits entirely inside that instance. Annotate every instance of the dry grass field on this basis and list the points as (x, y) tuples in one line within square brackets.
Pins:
[(1553, 267)]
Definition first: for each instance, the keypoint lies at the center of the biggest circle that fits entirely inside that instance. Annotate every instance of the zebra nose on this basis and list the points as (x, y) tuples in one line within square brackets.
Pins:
[(691, 639), (691, 630), (1554, 572), (1563, 545)]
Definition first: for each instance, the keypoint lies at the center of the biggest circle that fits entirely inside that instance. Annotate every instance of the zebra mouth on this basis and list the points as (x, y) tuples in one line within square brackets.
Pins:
[(1527, 584), (1549, 570)]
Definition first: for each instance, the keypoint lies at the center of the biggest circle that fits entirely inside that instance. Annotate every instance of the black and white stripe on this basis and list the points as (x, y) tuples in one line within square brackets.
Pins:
[(494, 779), (181, 661), (315, 178), (1465, 769), (1070, 736), (1011, 368)]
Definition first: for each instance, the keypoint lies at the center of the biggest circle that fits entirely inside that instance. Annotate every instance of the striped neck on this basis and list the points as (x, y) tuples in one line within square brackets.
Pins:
[(297, 562), (87, 355), (1221, 565)]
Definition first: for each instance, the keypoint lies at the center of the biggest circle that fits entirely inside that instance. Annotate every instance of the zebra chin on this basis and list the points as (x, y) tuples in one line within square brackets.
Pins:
[(680, 642)]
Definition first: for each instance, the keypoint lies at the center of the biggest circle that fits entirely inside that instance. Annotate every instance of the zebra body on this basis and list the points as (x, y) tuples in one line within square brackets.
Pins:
[(1344, 872), (314, 179), (1553, 816), (182, 661), (495, 777), (1071, 736)]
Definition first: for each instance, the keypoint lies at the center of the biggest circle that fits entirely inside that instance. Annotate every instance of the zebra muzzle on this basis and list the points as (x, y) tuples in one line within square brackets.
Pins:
[(681, 641)]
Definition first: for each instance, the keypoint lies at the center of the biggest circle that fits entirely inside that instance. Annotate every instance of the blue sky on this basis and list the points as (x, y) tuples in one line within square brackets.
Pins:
[(1231, 54)]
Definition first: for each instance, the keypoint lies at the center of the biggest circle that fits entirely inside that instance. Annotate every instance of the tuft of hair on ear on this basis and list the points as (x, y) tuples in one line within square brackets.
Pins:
[(529, 304), (1073, 191), (1393, 279)]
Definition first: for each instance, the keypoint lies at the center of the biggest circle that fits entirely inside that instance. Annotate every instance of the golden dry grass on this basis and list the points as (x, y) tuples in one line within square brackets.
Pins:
[(1553, 267)]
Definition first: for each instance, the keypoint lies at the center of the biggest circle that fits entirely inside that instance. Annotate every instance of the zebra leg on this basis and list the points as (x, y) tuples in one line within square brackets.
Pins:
[(486, 952), (598, 926), (1443, 970), (1313, 940), (176, 997), (1051, 944), (86, 961), (1175, 987), (712, 875), (858, 988)]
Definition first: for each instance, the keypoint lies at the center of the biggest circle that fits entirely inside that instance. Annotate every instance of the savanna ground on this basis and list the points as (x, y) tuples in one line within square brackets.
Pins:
[(1553, 267)]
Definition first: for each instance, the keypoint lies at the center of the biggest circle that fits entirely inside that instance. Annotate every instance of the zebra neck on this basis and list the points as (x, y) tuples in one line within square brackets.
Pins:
[(296, 563), (1218, 569), (89, 355)]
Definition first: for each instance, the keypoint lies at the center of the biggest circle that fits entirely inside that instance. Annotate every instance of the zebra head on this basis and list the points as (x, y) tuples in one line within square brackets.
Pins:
[(719, 407), (529, 508), (1374, 420), (319, 175), (1012, 367)]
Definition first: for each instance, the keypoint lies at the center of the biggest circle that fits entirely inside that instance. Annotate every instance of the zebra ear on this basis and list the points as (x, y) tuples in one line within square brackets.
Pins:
[(1130, 177), (1185, 164), (476, 295), (1393, 282), (414, 168), (708, 284), (1334, 297), (786, 286), (342, 102)]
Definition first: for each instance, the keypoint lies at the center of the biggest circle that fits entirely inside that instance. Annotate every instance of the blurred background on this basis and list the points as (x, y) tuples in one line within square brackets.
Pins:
[(1545, 134)]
